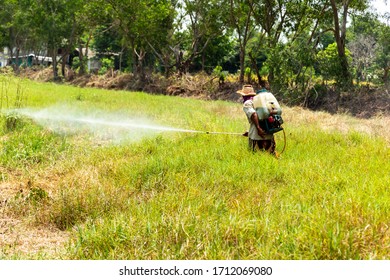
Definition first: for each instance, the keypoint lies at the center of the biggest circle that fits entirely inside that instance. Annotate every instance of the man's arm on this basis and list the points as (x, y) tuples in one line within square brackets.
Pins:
[(255, 120)]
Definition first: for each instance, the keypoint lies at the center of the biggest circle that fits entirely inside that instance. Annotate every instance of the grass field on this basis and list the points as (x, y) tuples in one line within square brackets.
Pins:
[(70, 192)]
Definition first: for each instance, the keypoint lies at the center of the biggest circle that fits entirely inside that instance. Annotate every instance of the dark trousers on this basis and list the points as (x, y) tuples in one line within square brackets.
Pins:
[(263, 145)]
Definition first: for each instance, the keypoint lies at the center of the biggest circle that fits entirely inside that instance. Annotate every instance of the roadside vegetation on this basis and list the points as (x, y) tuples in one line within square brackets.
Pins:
[(173, 195), (301, 50)]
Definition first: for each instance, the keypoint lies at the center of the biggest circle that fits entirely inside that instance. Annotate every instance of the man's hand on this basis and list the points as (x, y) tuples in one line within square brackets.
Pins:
[(260, 132)]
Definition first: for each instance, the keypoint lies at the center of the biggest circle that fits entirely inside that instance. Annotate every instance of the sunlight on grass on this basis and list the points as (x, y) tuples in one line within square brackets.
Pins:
[(178, 195)]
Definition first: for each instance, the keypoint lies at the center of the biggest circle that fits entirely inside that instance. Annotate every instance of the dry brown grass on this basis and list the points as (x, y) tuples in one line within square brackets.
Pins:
[(37, 74), (20, 236), (378, 126)]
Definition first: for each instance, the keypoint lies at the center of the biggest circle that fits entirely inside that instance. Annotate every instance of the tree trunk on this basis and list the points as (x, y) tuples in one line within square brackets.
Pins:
[(179, 62), (254, 65), (386, 75), (203, 61), (340, 32), (166, 66), (54, 64), (81, 59), (63, 63), (82, 69), (271, 75), (13, 44), (16, 67), (242, 64), (140, 72)]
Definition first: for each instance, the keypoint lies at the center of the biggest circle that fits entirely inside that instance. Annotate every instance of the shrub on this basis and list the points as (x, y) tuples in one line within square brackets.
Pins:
[(107, 65)]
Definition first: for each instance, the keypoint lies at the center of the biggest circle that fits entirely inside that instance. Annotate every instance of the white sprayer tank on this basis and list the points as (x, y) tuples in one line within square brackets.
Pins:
[(266, 105)]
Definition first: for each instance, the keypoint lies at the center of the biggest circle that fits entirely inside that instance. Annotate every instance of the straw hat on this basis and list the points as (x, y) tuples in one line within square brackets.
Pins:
[(247, 90)]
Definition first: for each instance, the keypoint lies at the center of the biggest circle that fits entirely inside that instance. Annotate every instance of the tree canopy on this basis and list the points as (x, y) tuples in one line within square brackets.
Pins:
[(290, 44)]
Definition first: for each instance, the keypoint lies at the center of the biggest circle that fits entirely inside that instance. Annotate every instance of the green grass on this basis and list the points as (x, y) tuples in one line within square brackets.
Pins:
[(195, 196)]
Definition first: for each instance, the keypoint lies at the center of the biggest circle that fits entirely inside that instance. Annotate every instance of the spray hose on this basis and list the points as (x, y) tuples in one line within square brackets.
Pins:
[(284, 146)]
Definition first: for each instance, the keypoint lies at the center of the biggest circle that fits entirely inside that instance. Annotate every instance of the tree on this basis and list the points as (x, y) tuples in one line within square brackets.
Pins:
[(55, 22), (282, 23), (141, 22), (163, 30), (203, 24), (368, 42), (16, 29), (217, 52), (241, 20), (89, 17), (363, 50), (271, 16), (330, 66), (383, 52), (340, 11)]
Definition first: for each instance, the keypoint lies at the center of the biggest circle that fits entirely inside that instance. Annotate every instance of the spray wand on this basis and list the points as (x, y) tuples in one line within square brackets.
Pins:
[(226, 133), (218, 132), (232, 133)]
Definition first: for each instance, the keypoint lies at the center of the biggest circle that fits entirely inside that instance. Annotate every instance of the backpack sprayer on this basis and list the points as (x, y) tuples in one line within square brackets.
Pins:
[(269, 112)]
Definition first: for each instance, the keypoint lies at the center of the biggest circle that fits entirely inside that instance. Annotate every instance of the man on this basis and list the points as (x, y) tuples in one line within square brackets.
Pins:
[(258, 139)]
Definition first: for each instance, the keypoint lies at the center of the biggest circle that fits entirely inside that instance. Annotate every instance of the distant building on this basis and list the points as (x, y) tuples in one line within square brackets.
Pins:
[(4, 56), (29, 60), (23, 59), (94, 63)]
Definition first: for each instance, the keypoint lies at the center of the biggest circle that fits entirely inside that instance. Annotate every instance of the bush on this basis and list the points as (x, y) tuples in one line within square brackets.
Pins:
[(220, 74), (107, 65), (329, 62), (12, 122)]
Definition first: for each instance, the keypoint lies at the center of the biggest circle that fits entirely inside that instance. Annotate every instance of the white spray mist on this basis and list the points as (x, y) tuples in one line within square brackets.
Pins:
[(100, 125)]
